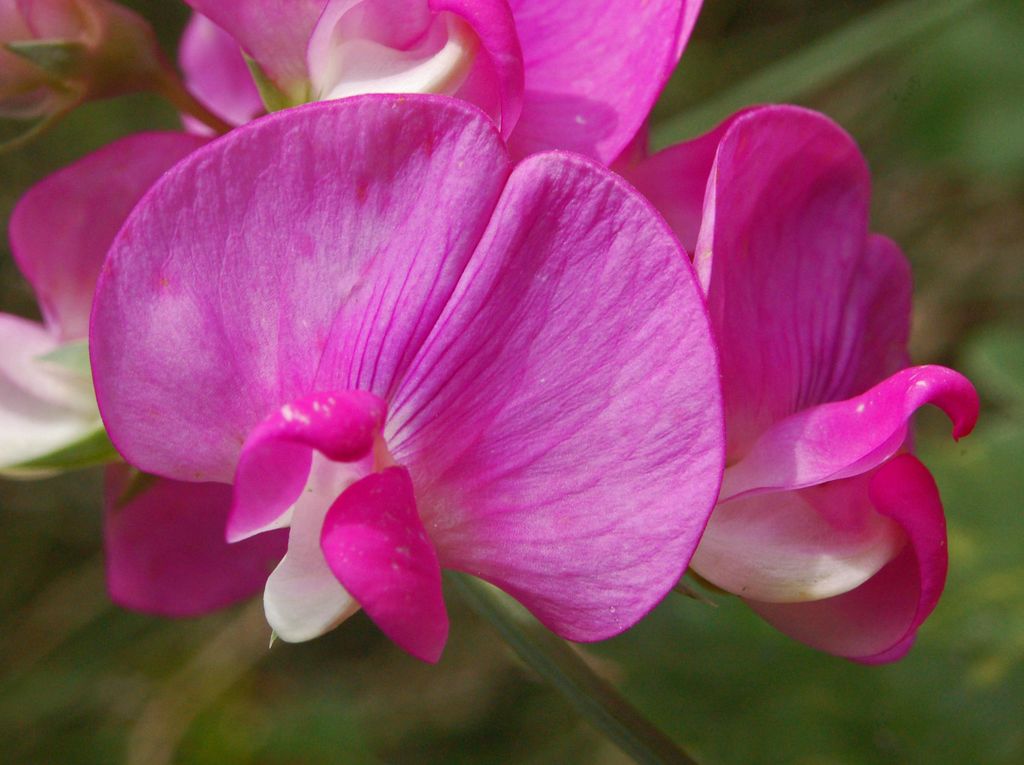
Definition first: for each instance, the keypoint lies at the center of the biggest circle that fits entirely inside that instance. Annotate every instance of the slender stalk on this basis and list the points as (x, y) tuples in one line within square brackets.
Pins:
[(171, 88), (594, 698), (794, 77)]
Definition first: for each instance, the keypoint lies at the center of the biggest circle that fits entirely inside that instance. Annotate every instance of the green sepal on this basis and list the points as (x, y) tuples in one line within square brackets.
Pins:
[(64, 59), (684, 588), (137, 485), (89, 451), (274, 99)]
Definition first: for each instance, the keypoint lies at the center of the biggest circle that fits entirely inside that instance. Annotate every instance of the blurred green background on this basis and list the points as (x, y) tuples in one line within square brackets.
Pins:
[(941, 119)]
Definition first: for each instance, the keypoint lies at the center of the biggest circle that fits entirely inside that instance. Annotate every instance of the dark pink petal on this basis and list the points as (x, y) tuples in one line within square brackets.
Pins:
[(496, 84), (62, 227), (165, 548), (792, 282), (311, 250), (846, 438), (273, 32), (876, 622), (374, 542), (274, 464), (563, 423), (216, 72), (594, 69)]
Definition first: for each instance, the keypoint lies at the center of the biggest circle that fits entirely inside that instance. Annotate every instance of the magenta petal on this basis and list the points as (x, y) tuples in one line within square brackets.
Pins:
[(493, 24), (674, 180), (165, 548), (876, 622), (62, 227), (374, 542), (563, 423), (216, 72), (594, 69), (273, 32), (845, 438), (793, 281), (311, 250), (275, 460)]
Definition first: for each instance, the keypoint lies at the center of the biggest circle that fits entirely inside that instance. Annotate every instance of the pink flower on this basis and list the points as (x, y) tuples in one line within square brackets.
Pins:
[(826, 524), (60, 232), (54, 54), (414, 356), (572, 74)]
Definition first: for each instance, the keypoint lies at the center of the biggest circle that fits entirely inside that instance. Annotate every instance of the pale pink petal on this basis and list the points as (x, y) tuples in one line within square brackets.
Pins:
[(216, 72), (384, 46), (563, 425), (62, 227), (466, 48), (593, 70), (13, 25), (375, 544), (455, 47), (311, 250), (794, 546), (44, 405), (303, 599), (846, 438), (165, 547), (876, 622), (273, 32), (52, 19), (275, 461), (495, 83)]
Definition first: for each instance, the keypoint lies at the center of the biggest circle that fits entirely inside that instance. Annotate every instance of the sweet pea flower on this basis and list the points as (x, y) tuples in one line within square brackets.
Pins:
[(826, 524), (572, 74), (415, 357), (55, 54), (60, 232)]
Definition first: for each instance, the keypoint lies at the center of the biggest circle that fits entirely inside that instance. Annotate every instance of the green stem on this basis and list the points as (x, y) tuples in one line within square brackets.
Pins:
[(821, 62), (556, 662)]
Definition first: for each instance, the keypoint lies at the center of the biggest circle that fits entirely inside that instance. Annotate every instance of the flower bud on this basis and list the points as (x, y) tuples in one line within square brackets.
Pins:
[(57, 54)]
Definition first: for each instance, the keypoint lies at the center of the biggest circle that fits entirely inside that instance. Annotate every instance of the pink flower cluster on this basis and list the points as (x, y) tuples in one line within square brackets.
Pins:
[(430, 313)]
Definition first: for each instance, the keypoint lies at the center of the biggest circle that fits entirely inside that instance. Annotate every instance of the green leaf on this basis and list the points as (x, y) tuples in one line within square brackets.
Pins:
[(888, 28), (90, 451)]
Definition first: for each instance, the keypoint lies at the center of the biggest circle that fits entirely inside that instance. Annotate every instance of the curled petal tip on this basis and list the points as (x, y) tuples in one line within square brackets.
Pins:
[(275, 459), (954, 394)]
